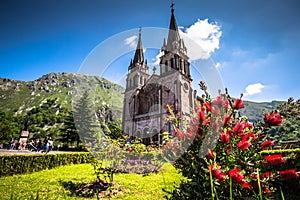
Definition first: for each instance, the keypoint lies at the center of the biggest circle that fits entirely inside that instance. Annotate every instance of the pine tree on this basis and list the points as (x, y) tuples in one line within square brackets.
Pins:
[(69, 133), (85, 120)]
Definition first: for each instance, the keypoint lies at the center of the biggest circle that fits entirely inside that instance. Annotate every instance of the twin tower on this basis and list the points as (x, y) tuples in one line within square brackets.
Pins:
[(147, 95)]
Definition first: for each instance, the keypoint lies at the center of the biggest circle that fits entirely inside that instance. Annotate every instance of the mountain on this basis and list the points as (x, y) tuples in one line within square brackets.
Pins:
[(255, 110), (44, 106), (18, 97)]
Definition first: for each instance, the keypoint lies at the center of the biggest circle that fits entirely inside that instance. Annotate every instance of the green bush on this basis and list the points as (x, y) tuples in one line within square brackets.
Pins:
[(18, 164), (222, 157)]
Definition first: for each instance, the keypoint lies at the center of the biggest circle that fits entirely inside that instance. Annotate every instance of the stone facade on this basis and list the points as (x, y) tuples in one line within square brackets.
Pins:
[(147, 95)]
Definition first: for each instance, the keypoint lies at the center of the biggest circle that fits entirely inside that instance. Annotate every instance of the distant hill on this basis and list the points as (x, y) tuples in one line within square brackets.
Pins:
[(254, 110), (18, 97), (44, 106)]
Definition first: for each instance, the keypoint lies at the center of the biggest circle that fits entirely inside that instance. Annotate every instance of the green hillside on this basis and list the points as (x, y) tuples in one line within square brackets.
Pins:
[(44, 106), (254, 110), (18, 96)]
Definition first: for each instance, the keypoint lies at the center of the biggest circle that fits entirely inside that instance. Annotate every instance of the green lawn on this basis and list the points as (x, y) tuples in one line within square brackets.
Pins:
[(48, 185)]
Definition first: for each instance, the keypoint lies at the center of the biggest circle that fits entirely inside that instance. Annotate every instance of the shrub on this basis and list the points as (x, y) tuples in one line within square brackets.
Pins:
[(18, 164), (226, 158)]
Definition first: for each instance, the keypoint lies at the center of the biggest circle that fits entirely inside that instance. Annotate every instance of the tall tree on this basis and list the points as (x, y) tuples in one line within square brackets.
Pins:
[(9, 127), (69, 133), (85, 119)]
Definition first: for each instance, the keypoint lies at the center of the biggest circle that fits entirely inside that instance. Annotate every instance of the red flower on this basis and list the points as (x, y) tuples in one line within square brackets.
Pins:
[(238, 104), (216, 111), (275, 159), (251, 135), (228, 150), (273, 119), (211, 154), (243, 144), (267, 144), (238, 128), (247, 125), (224, 137), (267, 191), (201, 116), (207, 106), (235, 175), (179, 134), (245, 184), (266, 174), (221, 101), (289, 174), (218, 173), (227, 120)]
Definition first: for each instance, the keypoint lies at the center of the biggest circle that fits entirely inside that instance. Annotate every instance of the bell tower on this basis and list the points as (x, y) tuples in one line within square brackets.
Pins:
[(175, 68), (138, 74)]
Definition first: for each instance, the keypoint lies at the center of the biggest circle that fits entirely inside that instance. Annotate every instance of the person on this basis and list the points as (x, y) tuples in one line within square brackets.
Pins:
[(30, 145), (50, 144), (11, 144), (46, 144), (1, 145), (39, 146)]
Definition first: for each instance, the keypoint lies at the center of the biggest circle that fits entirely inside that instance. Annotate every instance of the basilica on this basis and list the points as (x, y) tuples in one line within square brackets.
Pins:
[(147, 94)]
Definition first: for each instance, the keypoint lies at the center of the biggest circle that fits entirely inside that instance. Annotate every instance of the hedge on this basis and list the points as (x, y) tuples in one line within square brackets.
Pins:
[(18, 164)]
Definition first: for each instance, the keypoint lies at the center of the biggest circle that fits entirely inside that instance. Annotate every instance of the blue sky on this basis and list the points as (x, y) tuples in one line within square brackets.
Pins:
[(254, 44)]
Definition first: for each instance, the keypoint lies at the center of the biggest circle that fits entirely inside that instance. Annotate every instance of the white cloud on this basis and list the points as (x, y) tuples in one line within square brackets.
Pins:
[(218, 65), (157, 58), (201, 39), (254, 89), (131, 41)]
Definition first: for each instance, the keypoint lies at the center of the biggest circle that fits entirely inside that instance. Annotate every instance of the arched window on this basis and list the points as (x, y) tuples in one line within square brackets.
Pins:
[(136, 80), (138, 134), (141, 80)]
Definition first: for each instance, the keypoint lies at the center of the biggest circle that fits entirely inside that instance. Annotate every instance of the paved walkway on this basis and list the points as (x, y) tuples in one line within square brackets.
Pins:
[(12, 152)]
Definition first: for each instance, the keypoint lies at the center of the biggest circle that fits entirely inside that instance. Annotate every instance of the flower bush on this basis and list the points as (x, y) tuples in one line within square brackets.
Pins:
[(223, 159)]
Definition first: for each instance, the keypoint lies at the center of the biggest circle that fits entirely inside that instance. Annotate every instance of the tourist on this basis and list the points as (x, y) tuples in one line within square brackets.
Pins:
[(50, 144), (46, 144), (11, 144)]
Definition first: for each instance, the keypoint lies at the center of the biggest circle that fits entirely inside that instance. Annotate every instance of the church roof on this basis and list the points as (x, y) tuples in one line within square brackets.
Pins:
[(173, 31), (139, 54)]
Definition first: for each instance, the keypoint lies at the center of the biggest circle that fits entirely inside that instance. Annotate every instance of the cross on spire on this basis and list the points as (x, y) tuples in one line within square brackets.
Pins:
[(154, 70), (172, 6), (138, 58)]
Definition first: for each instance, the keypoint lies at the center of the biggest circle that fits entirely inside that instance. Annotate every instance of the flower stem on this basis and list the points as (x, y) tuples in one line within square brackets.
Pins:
[(230, 184), (282, 196), (259, 186), (211, 185), (216, 193)]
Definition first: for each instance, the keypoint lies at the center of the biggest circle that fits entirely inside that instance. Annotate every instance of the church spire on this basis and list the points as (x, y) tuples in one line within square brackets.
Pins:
[(139, 54), (173, 36)]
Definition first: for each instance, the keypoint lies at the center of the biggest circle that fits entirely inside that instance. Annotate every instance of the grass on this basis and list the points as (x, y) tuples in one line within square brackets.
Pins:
[(47, 184)]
